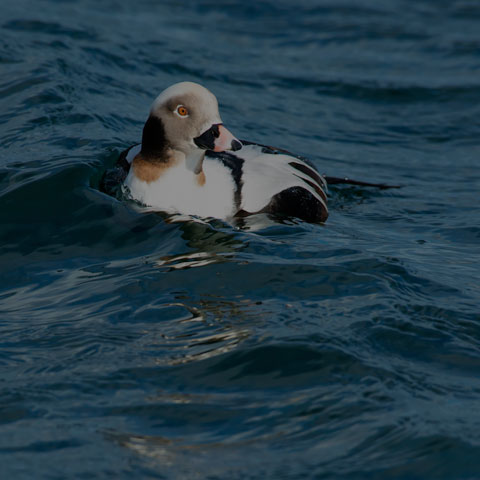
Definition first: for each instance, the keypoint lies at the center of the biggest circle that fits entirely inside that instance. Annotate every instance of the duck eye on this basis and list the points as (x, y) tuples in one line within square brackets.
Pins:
[(181, 111)]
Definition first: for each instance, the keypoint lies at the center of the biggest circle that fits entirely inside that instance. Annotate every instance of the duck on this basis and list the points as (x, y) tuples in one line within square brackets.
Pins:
[(189, 163)]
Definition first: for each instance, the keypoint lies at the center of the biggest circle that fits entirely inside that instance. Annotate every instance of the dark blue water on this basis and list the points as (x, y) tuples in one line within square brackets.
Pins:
[(132, 347)]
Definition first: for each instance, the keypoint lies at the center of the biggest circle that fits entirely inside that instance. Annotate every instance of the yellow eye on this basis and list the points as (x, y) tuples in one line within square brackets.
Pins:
[(182, 111)]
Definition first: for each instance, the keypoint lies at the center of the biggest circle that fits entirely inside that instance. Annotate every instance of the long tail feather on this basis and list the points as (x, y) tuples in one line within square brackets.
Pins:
[(349, 181)]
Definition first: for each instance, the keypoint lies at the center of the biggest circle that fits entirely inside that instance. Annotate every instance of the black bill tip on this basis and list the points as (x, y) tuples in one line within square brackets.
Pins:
[(236, 145)]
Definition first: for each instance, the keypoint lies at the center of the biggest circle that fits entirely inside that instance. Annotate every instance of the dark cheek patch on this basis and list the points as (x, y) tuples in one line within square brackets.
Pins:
[(154, 141)]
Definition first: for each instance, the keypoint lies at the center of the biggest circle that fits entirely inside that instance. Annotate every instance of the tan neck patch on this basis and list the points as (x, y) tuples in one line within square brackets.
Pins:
[(148, 171), (200, 179)]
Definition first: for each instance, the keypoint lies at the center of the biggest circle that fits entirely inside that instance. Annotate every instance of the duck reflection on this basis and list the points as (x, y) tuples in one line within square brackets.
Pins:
[(211, 242), (206, 324), (215, 326)]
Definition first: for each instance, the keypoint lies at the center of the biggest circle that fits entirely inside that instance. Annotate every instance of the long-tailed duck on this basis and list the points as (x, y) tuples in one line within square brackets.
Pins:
[(189, 163)]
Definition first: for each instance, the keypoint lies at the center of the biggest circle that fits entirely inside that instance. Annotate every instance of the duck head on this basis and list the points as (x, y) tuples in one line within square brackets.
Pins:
[(185, 118)]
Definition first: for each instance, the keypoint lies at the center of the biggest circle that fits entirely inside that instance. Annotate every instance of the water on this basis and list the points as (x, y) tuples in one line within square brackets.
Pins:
[(132, 347)]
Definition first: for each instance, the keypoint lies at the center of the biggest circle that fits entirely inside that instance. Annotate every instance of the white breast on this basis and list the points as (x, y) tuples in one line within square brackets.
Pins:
[(177, 191)]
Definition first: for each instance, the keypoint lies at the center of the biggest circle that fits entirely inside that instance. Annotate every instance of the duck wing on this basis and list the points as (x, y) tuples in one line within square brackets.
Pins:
[(113, 178)]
